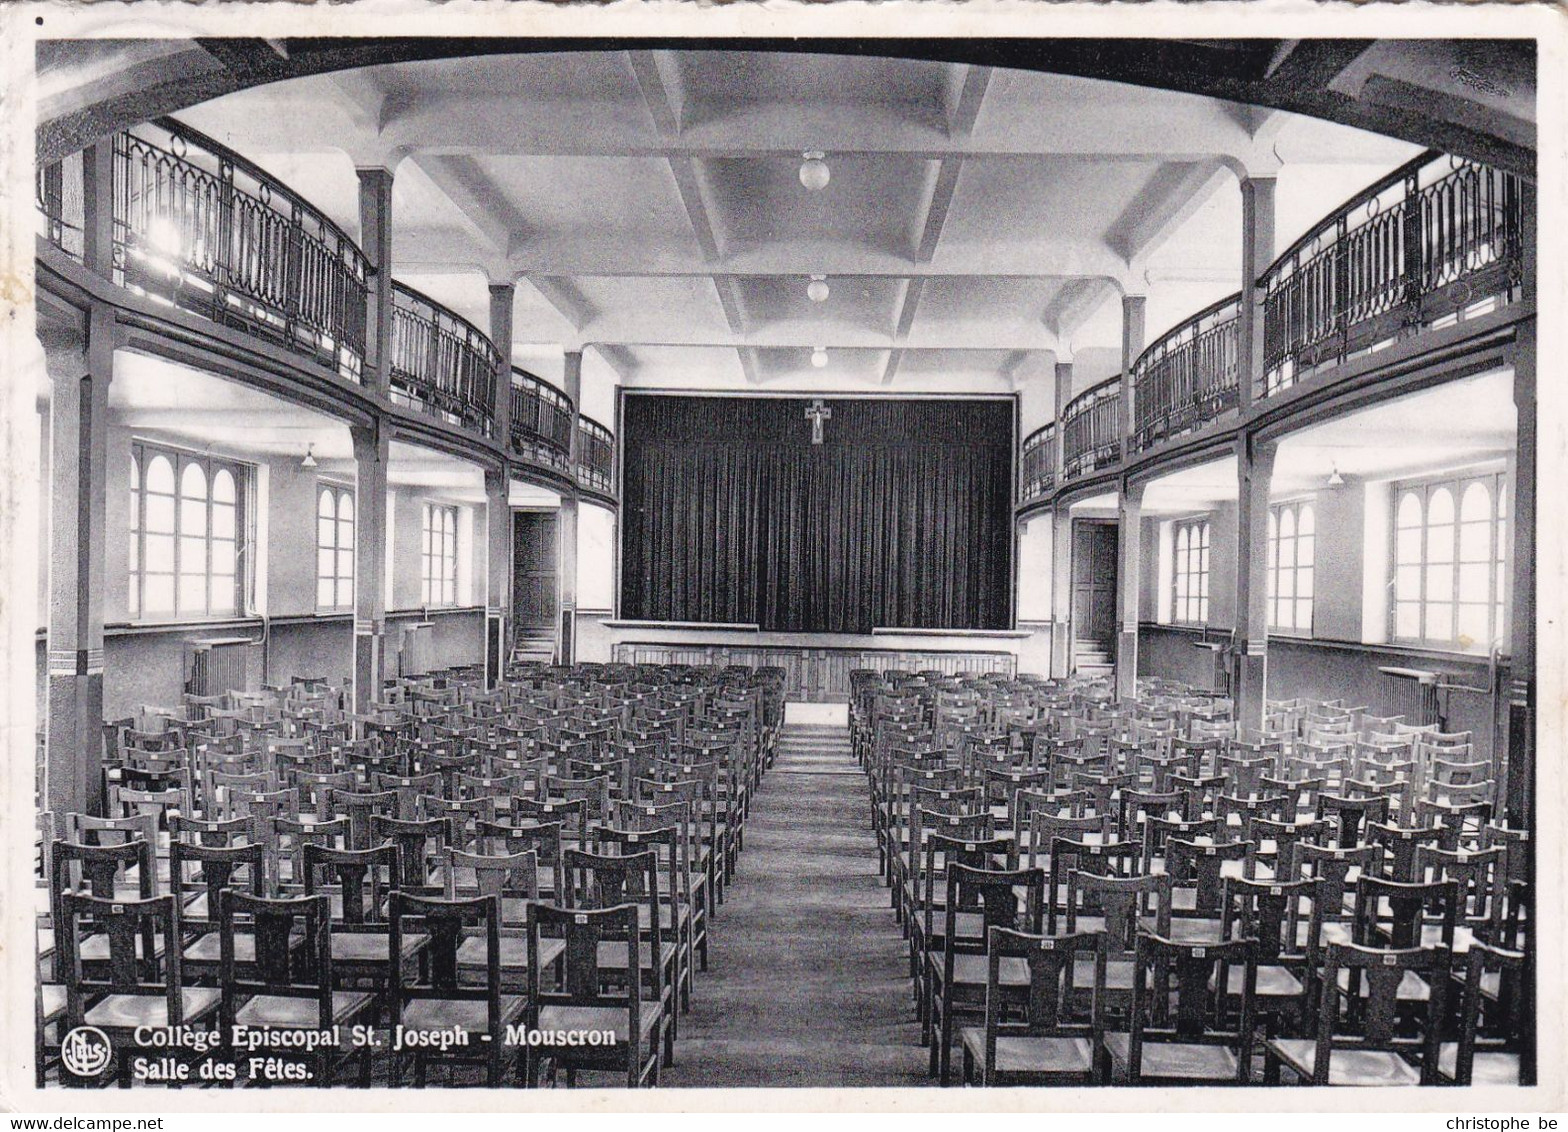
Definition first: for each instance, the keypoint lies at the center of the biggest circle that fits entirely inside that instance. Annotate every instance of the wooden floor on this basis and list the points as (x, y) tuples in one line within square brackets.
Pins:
[(809, 978)]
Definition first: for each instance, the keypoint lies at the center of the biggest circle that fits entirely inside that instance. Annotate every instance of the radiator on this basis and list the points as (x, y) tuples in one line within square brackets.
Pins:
[(1412, 693), (219, 665)]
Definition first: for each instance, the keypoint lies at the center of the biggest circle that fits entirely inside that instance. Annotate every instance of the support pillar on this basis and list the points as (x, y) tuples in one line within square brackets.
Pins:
[(1133, 308), (371, 446), (498, 601), (79, 374), (1249, 665), (375, 239), (1520, 783), (1129, 580), (1257, 252), (1061, 592), (502, 298), (572, 380)]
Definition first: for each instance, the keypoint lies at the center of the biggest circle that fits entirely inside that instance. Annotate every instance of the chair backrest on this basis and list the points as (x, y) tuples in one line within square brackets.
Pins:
[(1368, 1019), (1351, 814), (216, 833), (1203, 866), (1172, 1000), (407, 788), (1270, 912), (133, 929), (1392, 913), (995, 895), (420, 846), (361, 877), (291, 956), (215, 871), (1049, 1009), (1122, 902), (446, 925)]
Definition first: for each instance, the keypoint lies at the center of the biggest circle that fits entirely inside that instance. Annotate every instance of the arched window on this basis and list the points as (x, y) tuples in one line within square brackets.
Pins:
[(184, 534), (1292, 552), (1449, 556), (438, 577), (334, 547), (1190, 573)]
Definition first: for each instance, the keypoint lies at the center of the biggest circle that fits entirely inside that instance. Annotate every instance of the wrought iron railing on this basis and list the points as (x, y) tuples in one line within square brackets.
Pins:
[(541, 421), (1433, 240), (441, 363), (62, 206), (200, 228), (1091, 429), (1037, 465), (1187, 378), (595, 455)]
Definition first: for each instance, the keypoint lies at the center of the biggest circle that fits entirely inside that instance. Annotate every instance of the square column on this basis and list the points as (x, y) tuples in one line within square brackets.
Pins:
[(1257, 252), (79, 374), (1129, 528), (375, 239), (1520, 783), (1061, 592), (568, 580), (502, 297), (1249, 672), (498, 573), (371, 446), (1133, 308)]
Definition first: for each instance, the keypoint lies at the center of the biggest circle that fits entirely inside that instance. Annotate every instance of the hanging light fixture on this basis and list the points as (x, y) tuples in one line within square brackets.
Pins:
[(814, 172), (310, 458), (819, 357), (817, 290), (1334, 478)]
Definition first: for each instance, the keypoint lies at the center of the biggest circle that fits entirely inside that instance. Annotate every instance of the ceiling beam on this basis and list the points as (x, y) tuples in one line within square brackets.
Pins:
[(750, 364), (1165, 202), (477, 197), (890, 367), (938, 202), (971, 96), (564, 295)]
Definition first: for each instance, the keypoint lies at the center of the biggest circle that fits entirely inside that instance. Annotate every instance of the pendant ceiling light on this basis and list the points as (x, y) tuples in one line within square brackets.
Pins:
[(817, 289), (819, 356), (310, 457), (814, 172), (1334, 478)]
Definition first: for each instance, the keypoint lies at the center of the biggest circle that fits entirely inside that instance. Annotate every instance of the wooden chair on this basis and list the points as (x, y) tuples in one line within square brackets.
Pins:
[(275, 973), (593, 999), (1360, 1043), (1288, 945), (139, 984), (216, 870), (1051, 1042), (1179, 1032), (1009, 898), (1501, 1054), (438, 998)]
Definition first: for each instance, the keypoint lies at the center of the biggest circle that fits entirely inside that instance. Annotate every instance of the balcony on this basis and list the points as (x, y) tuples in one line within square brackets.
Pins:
[(1037, 467), (441, 364), (1091, 430), (541, 422), (199, 228), (1437, 240), (595, 455), (1188, 377)]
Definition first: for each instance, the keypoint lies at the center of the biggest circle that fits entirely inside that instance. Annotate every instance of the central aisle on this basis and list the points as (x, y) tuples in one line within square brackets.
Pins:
[(809, 984)]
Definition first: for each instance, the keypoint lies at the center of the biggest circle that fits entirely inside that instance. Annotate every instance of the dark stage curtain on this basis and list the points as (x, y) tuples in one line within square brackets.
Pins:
[(902, 518)]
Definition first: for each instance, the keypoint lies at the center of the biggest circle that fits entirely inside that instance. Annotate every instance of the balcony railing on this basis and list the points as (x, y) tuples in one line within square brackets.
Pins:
[(1091, 429), (61, 206), (541, 421), (200, 228), (1437, 239), (441, 363), (1037, 467), (595, 455), (1188, 377)]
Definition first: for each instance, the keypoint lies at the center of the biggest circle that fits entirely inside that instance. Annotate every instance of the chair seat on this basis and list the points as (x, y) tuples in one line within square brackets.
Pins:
[(287, 1012), (1273, 982), (1412, 987), (613, 1018), (1493, 1068), (1182, 1060), (371, 947), (1346, 1066), (95, 948), (471, 953), (470, 1014), (612, 954), (1118, 975), (972, 970), (1031, 1054), (128, 1011)]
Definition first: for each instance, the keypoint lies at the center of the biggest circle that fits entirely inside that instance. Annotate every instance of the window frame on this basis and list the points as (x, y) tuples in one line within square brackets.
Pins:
[(1275, 545), (1182, 570), (144, 453), (444, 556), (1497, 565), (337, 579)]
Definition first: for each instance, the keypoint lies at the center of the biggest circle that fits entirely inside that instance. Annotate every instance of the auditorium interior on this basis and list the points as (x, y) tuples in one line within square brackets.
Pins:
[(785, 563)]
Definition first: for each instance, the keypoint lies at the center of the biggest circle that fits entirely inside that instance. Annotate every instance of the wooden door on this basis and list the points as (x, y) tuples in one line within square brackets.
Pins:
[(1094, 582), (535, 570)]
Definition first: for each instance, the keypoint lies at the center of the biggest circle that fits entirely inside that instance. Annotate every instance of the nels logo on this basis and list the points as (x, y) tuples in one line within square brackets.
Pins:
[(86, 1051)]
